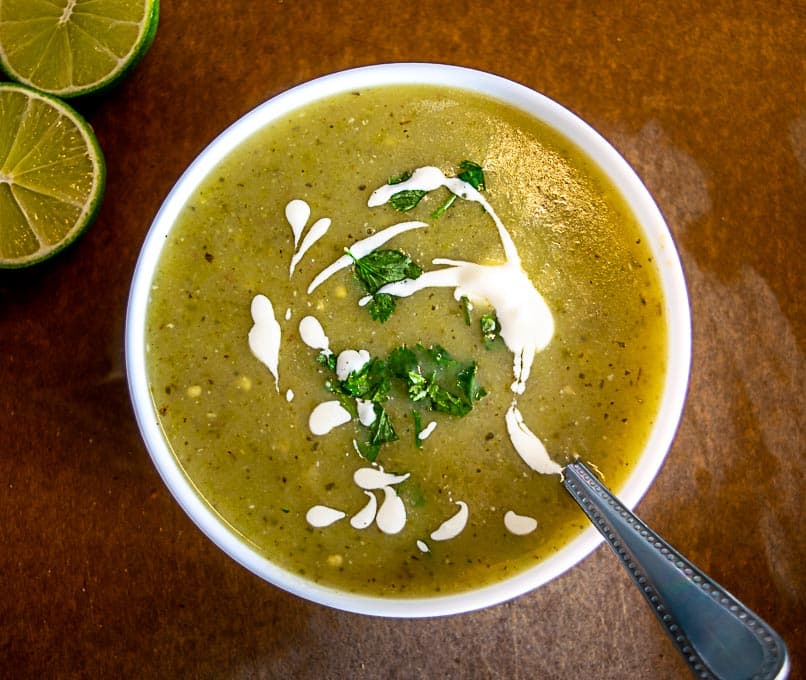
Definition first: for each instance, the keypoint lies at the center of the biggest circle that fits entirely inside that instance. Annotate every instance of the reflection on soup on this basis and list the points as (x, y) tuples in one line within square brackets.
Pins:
[(382, 325)]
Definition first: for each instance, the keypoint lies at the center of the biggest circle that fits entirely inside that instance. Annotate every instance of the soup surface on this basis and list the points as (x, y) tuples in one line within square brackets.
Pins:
[(278, 467)]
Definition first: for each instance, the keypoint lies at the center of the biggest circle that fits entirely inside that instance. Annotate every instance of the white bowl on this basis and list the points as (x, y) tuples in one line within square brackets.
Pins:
[(590, 142)]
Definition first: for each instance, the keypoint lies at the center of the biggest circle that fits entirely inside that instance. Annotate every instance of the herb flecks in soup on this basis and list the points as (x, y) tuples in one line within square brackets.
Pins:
[(390, 419)]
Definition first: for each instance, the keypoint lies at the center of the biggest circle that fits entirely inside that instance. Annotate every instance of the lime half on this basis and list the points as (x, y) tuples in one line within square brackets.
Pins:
[(52, 175), (73, 47)]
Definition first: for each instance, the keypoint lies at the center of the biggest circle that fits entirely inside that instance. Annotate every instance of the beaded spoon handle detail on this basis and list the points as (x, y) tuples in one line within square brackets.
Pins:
[(717, 635)]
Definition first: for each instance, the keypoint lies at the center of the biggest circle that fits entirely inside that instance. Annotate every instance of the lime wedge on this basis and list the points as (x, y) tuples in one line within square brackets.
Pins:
[(52, 175), (73, 47)]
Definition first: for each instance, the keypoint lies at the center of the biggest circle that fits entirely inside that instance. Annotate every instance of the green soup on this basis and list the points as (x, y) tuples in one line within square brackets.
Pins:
[(245, 440)]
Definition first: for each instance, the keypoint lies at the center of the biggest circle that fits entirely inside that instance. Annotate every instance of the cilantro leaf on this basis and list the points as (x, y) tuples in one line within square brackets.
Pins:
[(368, 451), (473, 174), (370, 382), (431, 372), (381, 306), (397, 179), (380, 267), (375, 270), (446, 402), (435, 358), (407, 199), (401, 361), (404, 363), (466, 307), (466, 380), (380, 432), (418, 427), (490, 328), (417, 385), (327, 359)]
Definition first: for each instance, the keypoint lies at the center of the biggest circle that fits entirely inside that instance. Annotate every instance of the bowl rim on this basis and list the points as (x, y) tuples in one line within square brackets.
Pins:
[(600, 152)]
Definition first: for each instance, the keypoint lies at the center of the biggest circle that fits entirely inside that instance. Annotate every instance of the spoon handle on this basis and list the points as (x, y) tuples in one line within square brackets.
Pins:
[(717, 635)]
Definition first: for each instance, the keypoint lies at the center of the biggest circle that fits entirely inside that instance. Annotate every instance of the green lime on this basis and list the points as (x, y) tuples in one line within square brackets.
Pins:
[(73, 47), (52, 175)]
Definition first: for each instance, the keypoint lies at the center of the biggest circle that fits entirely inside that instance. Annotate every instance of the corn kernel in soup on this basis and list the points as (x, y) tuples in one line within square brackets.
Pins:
[(441, 476)]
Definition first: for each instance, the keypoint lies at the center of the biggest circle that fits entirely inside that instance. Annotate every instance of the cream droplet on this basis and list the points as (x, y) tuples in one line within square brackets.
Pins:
[(427, 430), (264, 337), (391, 517), (349, 361), (297, 213), (327, 416), (323, 516), (313, 335), (366, 412), (528, 446), (317, 231), (520, 525), (366, 516), (452, 526), (370, 478)]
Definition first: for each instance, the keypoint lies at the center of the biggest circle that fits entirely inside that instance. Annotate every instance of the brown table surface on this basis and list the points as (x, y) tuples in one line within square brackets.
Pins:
[(101, 573)]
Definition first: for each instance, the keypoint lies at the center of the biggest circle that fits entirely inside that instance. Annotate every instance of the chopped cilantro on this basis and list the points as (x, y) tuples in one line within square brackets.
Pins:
[(327, 359), (401, 361), (454, 389), (490, 328), (431, 372), (397, 179), (431, 376), (446, 402), (371, 382), (418, 427), (380, 267), (466, 307), (406, 200), (436, 354), (375, 270), (380, 432), (442, 208), (381, 306), (417, 385), (466, 379), (473, 174)]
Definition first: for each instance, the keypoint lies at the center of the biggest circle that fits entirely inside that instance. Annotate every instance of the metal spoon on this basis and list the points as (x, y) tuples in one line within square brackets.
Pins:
[(717, 635)]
